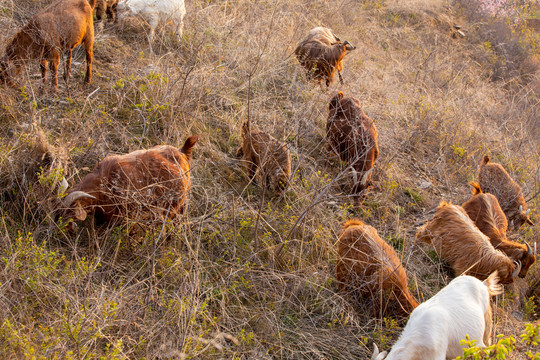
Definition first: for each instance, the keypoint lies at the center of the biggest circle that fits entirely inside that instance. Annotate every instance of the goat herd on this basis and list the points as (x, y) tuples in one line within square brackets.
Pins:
[(155, 183)]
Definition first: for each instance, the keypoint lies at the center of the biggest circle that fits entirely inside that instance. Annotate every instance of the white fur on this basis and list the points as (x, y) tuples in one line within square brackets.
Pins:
[(436, 326), (154, 12)]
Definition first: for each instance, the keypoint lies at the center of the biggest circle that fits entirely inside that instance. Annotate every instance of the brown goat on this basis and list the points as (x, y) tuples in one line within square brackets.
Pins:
[(352, 135), (142, 183), (459, 242), (370, 268), (494, 179), (106, 8), (263, 152), (321, 53), (485, 211), (53, 32)]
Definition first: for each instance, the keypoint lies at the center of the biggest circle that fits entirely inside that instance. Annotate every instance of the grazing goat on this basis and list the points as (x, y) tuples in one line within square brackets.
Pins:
[(321, 53), (459, 242), (352, 135), (263, 152), (153, 181), (154, 12), (56, 30), (437, 326), (106, 8), (370, 268), (485, 212), (494, 179)]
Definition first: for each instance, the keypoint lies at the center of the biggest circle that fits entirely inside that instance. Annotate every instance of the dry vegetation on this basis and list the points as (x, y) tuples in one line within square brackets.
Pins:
[(208, 285)]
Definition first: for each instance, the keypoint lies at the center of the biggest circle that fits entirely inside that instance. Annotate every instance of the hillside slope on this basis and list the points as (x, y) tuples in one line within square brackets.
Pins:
[(211, 287)]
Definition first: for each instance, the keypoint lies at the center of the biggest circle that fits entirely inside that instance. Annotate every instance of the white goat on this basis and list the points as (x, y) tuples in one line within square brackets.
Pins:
[(436, 326), (154, 11)]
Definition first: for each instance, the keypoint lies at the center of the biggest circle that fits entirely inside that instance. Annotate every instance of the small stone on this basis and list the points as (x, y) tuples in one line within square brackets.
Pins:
[(425, 185)]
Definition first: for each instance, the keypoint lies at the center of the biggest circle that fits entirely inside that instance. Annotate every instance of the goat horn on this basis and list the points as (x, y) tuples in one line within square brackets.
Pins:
[(355, 175), (366, 176), (518, 268), (529, 250), (535, 247), (76, 195), (527, 211), (63, 186), (520, 208)]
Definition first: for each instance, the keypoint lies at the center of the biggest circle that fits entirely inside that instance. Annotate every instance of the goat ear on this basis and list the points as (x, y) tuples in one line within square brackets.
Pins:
[(80, 213), (334, 103), (376, 355)]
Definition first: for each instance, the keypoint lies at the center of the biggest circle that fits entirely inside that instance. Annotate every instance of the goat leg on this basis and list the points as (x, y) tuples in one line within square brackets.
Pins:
[(53, 65), (340, 78), (43, 68), (67, 70), (89, 49)]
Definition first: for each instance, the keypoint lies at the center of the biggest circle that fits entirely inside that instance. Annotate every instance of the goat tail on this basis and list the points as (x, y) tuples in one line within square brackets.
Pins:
[(92, 3), (492, 284), (476, 189), (188, 145), (485, 160)]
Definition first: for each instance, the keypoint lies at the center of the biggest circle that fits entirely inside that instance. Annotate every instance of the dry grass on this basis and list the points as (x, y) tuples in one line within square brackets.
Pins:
[(211, 287)]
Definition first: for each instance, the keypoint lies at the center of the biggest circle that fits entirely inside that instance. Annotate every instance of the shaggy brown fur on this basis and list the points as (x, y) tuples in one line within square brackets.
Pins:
[(352, 135), (106, 8), (321, 53), (53, 32), (263, 152), (494, 179), (142, 183), (369, 267), (485, 212), (459, 242)]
